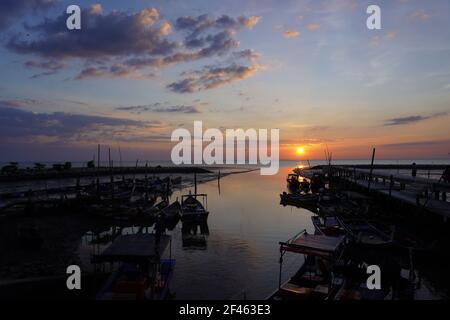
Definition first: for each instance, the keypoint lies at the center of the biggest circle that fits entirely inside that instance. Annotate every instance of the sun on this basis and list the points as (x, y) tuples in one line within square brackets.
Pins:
[(300, 150)]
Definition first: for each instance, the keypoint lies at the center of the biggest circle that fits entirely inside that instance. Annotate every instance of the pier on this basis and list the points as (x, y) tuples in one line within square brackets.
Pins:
[(423, 193)]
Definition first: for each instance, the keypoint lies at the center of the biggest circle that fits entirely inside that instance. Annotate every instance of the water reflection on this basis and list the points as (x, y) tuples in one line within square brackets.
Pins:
[(232, 255), (194, 235)]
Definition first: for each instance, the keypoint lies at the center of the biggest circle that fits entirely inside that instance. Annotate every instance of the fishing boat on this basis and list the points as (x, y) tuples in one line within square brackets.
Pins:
[(172, 211), (157, 207), (176, 181), (305, 186), (365, 234), (314, 280), (395, 284), (160, 185), (298, 199), (192, 208), (317, 182), (142, 274), (328, 226), (293, 181)]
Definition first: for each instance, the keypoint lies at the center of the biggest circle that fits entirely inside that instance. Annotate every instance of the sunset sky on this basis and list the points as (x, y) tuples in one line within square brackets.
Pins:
[(140, 69)]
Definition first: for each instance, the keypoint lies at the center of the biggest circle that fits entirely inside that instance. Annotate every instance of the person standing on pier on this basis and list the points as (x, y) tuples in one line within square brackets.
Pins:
[(414, 170)]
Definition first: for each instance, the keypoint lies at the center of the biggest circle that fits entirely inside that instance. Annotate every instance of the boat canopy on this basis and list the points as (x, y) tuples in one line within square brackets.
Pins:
[(133, 248), (184, 197), (315, 245)]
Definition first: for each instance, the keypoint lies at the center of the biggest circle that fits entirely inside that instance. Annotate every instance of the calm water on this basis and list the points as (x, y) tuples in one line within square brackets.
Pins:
[(236, 257), (239, 257)]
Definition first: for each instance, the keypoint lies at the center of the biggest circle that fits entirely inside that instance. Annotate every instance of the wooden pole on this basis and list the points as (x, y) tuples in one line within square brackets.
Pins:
[(98, 157), (111, 177), (195, 183), (371, 168), (98, 170), (281, 268), (120, 156)]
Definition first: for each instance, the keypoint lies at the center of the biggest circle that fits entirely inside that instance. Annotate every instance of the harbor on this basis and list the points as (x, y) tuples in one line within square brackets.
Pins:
[(364, 219), (236, 246)]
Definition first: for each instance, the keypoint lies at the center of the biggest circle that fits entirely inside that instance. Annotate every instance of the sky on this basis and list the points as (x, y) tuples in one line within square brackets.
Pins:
[(137, 70)]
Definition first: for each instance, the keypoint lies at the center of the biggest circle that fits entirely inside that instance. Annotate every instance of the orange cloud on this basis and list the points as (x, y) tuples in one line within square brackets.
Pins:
[(420, 14), (291, 34), (313, 26)]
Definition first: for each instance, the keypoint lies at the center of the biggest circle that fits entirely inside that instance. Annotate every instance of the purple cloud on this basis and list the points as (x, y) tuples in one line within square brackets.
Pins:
[(128, 45), (212, 77), (11, 9), (412, 119), (160, 109), (19, 123)]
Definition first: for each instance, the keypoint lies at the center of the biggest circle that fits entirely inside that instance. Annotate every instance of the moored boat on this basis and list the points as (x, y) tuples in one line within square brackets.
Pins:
[(176, 181), (293, 181), (142, 275), (298, 199), (365, 234), (172, 211), (314, 280), (194, 209), (328, 226)]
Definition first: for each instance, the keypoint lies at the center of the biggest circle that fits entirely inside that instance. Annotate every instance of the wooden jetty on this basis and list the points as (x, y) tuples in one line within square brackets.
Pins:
[(425, 193)]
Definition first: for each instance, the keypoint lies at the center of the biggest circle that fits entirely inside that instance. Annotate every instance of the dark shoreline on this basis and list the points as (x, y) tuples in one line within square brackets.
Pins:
[(44, 174)]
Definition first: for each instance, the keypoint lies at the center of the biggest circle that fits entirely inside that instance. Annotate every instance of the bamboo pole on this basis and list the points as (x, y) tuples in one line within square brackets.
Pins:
[(371, 169)]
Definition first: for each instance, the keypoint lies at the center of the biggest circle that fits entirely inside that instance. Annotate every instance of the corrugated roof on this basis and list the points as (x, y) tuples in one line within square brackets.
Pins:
[(133, 248), (319, 245)]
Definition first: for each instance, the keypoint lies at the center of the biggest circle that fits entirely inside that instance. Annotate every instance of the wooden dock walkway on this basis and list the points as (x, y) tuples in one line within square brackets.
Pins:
[(429, 194)]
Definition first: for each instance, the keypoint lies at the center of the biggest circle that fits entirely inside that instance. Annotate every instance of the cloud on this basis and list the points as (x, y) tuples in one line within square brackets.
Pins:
[(291, 34), (132, 45), (212, 77), (113, 71), (160, 109), (390, 35), (22, 124), (420, 15), (412, 119), (12, 103), (375, 41), (52, 66), (96, 9), (48, 64), (199, 24), (11, 9), (102, 36), (102, 44), (313, 26), (165, 28), (250, 21), (416, 144), (248, 54), (18, 103), (305, 141)]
